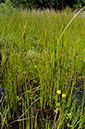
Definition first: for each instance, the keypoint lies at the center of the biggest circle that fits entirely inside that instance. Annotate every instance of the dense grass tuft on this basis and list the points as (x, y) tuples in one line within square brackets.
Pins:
[(35, 64)]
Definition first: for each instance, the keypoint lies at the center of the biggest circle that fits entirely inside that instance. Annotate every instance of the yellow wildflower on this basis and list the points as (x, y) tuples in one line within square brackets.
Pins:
[(63, 95), (29, 61), (35, 66), (58, 91), (45, 51)]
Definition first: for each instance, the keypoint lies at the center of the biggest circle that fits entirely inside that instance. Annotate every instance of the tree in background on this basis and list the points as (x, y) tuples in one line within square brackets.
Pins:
[(74, 3), (2, 1), (56, 4)]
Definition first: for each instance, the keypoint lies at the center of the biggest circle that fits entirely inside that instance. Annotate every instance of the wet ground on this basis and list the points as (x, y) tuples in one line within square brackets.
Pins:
[(79, 94)]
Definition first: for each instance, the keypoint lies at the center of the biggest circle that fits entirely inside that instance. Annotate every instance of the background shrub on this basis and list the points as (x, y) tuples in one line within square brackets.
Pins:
[(56, 4)]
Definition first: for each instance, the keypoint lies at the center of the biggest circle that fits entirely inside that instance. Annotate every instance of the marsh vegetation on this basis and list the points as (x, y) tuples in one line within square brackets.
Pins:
[(43, 74)]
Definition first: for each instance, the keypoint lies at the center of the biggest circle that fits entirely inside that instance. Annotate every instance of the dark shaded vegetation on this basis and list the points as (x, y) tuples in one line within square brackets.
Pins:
[(55, 4)]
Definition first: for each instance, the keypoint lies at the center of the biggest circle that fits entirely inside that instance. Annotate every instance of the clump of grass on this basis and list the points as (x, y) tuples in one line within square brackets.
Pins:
[(3, 110), (42, 52)]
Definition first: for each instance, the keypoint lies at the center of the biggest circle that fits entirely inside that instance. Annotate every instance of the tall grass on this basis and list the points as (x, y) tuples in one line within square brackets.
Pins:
[(36, 63)]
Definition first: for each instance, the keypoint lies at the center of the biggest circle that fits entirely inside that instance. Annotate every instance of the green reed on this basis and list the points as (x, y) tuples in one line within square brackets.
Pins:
[(43, 51)]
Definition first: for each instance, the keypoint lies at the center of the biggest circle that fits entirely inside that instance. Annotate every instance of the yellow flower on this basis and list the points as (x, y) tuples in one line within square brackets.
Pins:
[(35, 66), (59, 92), (29, 61), (63, 95), (45, 51)]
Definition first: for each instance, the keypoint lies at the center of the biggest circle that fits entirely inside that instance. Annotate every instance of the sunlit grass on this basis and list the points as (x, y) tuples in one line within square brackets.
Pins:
[(41, 67)]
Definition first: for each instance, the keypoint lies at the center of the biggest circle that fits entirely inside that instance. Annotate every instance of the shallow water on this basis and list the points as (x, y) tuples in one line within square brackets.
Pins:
[(16, 125)]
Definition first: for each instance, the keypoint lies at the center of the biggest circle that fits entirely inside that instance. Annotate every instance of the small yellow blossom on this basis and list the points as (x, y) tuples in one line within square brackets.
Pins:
[(45, 51), (29, 61), (35, 66), (63, 95), (58, 91)]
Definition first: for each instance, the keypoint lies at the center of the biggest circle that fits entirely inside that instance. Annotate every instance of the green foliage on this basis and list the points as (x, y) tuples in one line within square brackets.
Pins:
[(43, 52), (78, 3), (6, 8), (2, 1), (56, 4)]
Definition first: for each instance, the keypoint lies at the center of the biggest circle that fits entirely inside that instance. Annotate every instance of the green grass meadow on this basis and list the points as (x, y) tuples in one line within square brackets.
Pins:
[(37, 61)]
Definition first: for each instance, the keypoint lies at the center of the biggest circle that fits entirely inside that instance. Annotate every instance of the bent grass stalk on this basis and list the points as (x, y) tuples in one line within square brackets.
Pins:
[(72, 68), (69, 24)]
